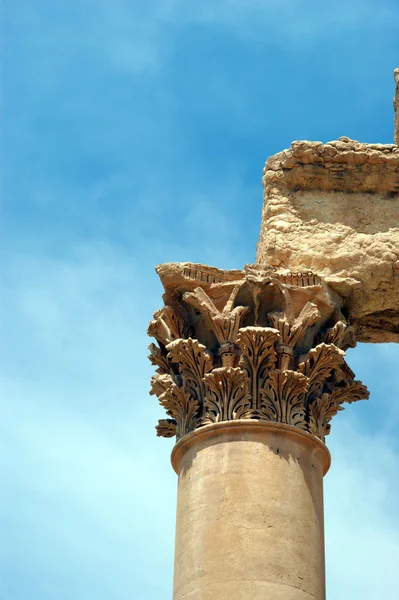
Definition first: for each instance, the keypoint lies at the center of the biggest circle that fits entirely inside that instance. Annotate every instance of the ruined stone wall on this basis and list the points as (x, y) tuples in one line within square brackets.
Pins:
[(334, 209)]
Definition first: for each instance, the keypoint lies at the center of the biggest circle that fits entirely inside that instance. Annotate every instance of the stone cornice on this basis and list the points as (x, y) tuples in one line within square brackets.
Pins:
[(188, 276), (260, 344), (342, 165)]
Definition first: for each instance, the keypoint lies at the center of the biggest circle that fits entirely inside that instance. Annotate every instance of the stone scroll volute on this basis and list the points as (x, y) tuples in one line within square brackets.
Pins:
[(253, 344)]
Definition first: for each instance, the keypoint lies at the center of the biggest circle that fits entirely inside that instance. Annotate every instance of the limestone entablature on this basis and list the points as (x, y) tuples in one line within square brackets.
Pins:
[(262, 343), (334, 209), (341, 165)]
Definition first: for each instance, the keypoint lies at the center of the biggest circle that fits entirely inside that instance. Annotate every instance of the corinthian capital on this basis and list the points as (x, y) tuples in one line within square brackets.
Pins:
[(256, 344)]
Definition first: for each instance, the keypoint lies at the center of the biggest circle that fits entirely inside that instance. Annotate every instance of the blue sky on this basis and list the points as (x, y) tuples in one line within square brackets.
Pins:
[(135, 133)]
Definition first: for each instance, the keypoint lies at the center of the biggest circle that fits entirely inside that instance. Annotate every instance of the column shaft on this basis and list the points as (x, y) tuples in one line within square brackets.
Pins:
[(250, 513)]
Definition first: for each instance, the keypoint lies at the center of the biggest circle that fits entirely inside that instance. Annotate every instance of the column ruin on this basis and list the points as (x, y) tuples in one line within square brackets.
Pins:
[(250, 368)]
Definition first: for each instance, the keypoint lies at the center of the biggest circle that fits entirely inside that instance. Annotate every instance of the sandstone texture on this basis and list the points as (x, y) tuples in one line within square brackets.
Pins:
[(250, 522), (260, 344), (334, 209), (250, 370)]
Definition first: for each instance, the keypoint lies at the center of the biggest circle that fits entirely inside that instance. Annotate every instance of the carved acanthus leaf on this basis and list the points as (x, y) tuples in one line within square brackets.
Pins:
[(166, 428), (227, 396), (258, 357), (318, 366), (182, 408), (159, 359), (176, 321), (158, 329), (160, 384), (350, 393), (201, 301), (292, 331), (321, 411), (168, 325), (224, 324), (257, 374), (194, 361), (341, 335), (334, 334), (283, 398)]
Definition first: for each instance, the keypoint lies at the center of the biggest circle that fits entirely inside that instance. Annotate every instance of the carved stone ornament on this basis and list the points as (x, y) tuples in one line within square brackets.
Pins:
[(256, 344)]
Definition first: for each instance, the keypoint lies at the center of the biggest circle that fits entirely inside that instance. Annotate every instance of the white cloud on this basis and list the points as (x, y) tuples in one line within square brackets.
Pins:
[(362, 525), (284, 20), (78, 445), (87, 488), (88, 494)]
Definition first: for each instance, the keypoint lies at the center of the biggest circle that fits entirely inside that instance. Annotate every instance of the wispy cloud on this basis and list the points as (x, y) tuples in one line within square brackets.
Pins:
[(136, 134), (361, 522), (287, 20), (77, 430)]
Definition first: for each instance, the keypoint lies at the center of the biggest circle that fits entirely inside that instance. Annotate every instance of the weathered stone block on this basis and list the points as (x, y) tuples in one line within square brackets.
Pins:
[(334, 209)]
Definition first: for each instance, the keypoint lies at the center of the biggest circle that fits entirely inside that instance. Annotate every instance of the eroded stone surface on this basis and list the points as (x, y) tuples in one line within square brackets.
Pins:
[(334, 209), (250, 514), (261, 344)]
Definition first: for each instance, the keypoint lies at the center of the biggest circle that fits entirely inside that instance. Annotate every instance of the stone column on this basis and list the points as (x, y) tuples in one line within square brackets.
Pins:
[(250, 369), (250, 513), (396, 107)]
